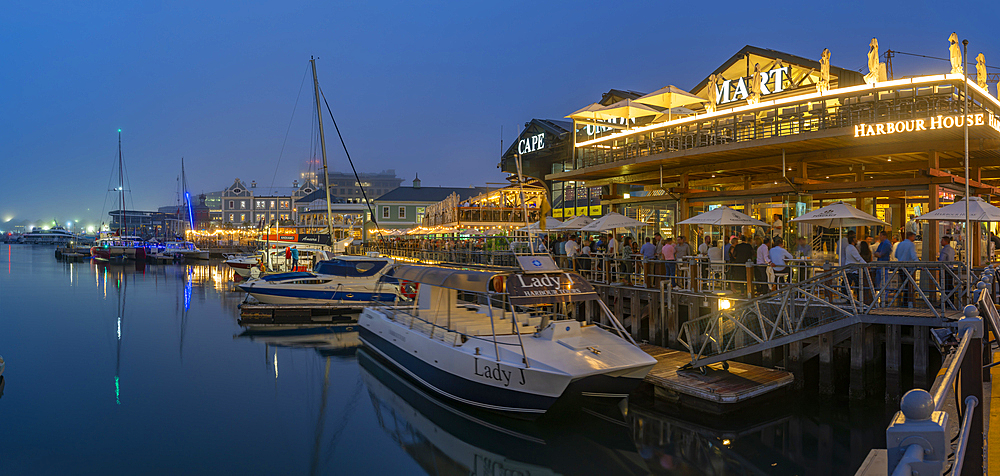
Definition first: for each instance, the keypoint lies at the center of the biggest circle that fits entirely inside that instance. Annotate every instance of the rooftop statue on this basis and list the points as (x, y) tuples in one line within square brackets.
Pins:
[(981, 72), (824, 72), (755, 84), (955, 54), (873, 65), (713, 81)]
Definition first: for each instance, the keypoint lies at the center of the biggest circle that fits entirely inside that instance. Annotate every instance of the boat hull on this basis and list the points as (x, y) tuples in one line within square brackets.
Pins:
[(271, 295), (457, 387)]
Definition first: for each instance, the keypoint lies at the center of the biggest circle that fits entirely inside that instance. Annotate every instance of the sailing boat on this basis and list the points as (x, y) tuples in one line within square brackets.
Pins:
[(185, 249), (118, 245)]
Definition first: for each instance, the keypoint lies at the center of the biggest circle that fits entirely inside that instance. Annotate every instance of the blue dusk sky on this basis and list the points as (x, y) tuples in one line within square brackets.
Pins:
[(419, 87)]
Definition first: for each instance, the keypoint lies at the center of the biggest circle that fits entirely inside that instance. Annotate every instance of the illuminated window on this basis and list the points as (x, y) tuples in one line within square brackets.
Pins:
[(243, 217), (243, 204), (272, 204), (402, 212), (231, 218), (385, 212)]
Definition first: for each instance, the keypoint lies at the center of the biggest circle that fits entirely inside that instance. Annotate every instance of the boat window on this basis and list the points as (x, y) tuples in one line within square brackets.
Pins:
[(364, 266), (350, 268)]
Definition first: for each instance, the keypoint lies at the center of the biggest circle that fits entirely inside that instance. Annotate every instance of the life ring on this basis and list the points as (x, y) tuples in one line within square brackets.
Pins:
[(409, 289)]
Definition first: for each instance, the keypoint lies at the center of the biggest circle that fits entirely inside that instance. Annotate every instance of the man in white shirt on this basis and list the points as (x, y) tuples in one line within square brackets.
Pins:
[(778, 255), (777, 225), (853, 256), (572, 249), (612, 256), (760, 271), (705, 245)]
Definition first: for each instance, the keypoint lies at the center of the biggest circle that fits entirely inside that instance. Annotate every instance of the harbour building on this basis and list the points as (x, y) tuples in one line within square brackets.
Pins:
[(776, 135)]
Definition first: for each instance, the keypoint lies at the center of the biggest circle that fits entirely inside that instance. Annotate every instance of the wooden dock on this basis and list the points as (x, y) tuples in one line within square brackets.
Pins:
[(718, 390), (297, 314)]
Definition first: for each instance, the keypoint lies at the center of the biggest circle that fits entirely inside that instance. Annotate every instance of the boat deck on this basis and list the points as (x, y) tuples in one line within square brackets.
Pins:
[(718, 388), (470, 320)]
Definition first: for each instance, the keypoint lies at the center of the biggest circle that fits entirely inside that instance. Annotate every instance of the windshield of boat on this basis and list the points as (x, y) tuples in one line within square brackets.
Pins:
[(350, 268)]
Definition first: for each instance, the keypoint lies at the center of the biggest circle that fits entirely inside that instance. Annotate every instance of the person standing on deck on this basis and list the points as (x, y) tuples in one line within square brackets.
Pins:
[(778, 255), (648, 252), (295, 258), (572, 249), (882, 253), (906, 250), (763, 260), (667, 254), (288, 258)]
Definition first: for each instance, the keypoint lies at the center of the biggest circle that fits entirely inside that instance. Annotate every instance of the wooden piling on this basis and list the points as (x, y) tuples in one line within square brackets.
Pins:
[(920, 343), (672, 325), (635, 309), (826, 363), (793, 363), (857, 389), (893, 341)]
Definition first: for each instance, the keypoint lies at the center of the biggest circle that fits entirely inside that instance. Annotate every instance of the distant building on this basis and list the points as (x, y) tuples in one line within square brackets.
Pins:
[(250, 206), (346, 186), (405, 207), (146, 224)]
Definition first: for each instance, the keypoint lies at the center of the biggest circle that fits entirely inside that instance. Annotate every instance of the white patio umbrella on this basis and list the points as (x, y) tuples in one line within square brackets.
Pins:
[(550, 223), (575, 223), (628, 109), (723, 216), (594, 111), (979, 210), (670, 97), (839, 215), (611, 221)]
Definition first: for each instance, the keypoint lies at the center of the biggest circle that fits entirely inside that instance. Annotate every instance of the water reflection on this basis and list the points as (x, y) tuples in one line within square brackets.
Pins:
[(444, 439)]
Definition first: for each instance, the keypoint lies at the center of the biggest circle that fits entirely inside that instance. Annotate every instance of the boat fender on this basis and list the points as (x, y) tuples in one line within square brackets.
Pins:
[(499, 285)]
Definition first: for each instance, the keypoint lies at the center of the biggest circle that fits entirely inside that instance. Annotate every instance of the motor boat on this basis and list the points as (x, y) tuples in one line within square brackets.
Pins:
[(343, 280), (52, 236), (116, 248), (275, 259), (184, 250), (495, 339)]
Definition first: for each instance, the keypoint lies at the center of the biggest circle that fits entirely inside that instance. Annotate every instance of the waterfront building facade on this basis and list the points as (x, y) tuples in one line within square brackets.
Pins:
[(499, 208), (243, 206), (146, 224), (778, 135), (405, 207)]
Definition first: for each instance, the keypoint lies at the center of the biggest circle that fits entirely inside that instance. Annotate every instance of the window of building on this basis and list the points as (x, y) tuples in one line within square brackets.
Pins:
[(283, 205), (243, 204), (232, 217), (243, 217), (420, 214), (385, 212), (402, 212), (272, 205), (260, 204), (232, 204)]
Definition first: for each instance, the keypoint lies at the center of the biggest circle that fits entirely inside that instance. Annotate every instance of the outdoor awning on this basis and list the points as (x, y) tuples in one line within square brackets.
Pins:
[(550, 223), (628, 108), (839, 215), (979, 210), (594, 112), (452, 278), (670, 97)]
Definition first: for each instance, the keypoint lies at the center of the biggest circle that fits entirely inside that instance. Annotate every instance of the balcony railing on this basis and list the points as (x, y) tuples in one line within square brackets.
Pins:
[(789, 118)]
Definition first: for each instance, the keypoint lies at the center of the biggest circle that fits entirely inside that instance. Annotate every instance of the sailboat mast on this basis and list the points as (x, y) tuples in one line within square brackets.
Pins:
[(187, 196), (121, 188), (322, 146)]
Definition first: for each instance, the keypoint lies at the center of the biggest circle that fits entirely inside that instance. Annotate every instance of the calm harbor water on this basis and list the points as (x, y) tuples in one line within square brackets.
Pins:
[(143, 370)]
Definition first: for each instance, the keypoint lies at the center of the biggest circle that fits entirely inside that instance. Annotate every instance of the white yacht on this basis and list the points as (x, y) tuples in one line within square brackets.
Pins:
[(343, 280), (53, 236), (275, 258), (184, 250), (495, 339)]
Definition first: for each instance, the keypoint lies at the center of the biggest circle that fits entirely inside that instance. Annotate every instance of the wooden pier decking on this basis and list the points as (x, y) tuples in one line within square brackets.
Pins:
[(718, 390)]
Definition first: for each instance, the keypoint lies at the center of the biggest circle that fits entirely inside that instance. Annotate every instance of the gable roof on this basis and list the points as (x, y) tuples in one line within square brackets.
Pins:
[(428, 194), (845, 77)]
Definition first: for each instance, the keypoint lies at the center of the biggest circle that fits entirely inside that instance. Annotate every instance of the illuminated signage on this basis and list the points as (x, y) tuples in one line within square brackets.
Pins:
[(929, 124), (736, 90), (531, 144)]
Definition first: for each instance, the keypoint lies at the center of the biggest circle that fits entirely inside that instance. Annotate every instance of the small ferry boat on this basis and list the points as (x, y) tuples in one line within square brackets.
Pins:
[(116, 248), (53, 236), (495, 339), (184, 250), (344, 280)]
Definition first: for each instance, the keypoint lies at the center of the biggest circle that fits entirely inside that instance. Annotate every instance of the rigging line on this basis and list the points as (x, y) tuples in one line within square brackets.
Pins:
[(287, 130), (356, 177), (936, 58)]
